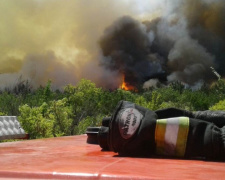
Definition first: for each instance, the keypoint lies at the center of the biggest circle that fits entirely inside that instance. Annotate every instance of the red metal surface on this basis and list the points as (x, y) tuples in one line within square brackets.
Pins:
[(71, 158)]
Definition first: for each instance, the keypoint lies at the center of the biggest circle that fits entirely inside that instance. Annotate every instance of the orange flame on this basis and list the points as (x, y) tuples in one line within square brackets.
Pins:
[(127, 87)]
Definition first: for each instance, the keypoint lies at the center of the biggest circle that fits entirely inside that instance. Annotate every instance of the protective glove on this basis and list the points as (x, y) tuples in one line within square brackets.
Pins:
[(132, 130), (136, 131), (216, 117)]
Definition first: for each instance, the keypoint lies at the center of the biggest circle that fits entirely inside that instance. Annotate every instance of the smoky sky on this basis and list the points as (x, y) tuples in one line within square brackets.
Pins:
[(101, 40), (56, 40), (183, 43), (127, 44)]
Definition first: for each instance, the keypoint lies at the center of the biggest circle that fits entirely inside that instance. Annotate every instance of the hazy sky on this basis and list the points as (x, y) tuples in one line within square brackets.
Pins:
[(58, 39)]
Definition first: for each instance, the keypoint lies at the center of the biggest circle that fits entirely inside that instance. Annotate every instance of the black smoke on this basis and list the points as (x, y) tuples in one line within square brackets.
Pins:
[(127, 44), (182, 44)]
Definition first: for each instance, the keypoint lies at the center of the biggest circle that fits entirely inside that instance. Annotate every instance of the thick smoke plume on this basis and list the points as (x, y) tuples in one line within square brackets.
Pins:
[(127, 44), (65, 41), (55, 40), (183, 43)]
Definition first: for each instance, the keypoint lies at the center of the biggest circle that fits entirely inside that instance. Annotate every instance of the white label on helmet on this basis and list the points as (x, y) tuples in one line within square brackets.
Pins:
[(129, 121)]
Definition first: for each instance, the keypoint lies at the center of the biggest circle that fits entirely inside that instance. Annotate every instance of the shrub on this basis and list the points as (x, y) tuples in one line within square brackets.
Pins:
[(35, 121), (219, 106), (87, 122), (9, 103), (46, 113), (61, 115), (84, 100)]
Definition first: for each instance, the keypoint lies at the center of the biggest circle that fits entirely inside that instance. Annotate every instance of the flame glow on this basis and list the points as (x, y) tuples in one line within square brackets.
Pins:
[(127, 87)]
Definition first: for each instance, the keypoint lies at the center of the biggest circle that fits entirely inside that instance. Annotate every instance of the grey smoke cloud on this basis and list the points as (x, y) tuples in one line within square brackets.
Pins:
[(185, 41), (56, 40), (126, 44), (64, 42)]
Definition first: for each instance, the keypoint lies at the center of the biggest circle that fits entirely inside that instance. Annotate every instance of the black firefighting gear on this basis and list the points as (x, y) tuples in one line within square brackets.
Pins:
[(133, 130)]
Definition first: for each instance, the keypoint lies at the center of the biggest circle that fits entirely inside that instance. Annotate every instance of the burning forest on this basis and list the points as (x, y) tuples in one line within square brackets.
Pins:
[(117, 44), (179, 46)]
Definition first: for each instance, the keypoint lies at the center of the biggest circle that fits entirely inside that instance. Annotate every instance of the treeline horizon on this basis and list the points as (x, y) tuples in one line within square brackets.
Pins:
[(44, 112)]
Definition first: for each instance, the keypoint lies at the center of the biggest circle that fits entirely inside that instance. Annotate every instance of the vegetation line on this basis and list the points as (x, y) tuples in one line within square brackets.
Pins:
[(47, 113)]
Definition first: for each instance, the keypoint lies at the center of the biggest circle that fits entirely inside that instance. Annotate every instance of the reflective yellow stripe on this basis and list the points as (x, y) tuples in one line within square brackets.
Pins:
[(172, 128), (159, 135), (171, 136), (182, 136)]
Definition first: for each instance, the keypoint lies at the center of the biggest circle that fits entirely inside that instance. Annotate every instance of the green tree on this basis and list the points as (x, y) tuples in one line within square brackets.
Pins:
[(35, 121), (9, 103), (61, 115), (219, 106), (46, 113), (88, 122), (47, 91), (84, 100)]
